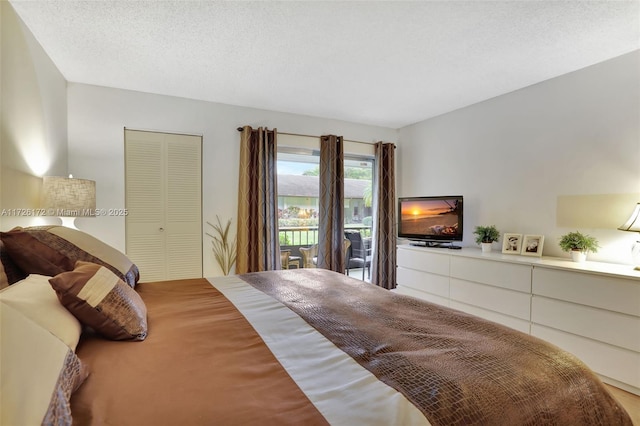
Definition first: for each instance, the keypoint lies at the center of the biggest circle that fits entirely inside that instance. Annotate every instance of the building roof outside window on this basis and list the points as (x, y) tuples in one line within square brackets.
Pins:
[(307, 186)]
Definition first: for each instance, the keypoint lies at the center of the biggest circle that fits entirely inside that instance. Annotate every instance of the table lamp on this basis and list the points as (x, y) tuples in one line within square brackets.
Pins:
[(633, 225), (68, 198)]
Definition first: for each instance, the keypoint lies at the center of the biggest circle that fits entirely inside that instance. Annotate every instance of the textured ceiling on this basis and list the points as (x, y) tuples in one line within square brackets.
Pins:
[(387, 63)]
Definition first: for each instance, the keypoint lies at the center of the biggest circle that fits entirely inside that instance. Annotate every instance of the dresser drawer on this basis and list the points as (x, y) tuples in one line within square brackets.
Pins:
[(423, 281), (509, 321), (508, 302), (424, 261), (597, 324), (501, 274), (610, 361), (601, 291), (407, 291)]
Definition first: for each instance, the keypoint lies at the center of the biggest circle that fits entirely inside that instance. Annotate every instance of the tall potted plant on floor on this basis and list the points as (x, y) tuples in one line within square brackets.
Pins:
[(485, 236), (579, 245), (224, 249)]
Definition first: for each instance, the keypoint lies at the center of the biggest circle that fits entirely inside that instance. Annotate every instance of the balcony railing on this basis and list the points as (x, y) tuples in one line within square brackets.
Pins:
[(294, 237)]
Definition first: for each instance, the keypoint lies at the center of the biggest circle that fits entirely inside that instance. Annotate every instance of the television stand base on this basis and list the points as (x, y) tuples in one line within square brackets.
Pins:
[(433, 244)]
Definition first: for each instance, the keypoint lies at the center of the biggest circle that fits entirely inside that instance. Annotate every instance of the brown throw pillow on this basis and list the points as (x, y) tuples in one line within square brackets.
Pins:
[(50, 250), (102, 301), (33, 256), (12, 272)]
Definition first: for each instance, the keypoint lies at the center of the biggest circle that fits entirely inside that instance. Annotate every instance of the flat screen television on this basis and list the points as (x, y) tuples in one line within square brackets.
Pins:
[(431, 221)]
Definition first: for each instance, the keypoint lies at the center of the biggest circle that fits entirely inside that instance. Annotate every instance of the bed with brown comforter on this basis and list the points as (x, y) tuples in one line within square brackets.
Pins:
[(316, 347)]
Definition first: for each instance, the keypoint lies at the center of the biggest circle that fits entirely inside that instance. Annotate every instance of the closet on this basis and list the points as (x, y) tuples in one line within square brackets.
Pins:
[(163, 197)]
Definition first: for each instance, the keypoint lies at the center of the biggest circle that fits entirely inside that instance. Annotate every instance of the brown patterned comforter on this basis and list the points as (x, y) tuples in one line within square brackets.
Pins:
[(456, 368)]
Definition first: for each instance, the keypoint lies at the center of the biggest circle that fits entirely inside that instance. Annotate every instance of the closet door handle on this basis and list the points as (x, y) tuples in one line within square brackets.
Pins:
[(161, 229)]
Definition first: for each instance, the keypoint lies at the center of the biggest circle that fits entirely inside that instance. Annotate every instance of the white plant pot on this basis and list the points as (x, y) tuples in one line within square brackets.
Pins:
[(486, 247), (578, 256)]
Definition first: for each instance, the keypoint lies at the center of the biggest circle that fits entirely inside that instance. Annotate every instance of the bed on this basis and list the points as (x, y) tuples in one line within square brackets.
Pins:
[(304, 346)]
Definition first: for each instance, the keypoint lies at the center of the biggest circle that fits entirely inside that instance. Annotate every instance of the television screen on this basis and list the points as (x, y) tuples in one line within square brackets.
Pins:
[(431, 218)]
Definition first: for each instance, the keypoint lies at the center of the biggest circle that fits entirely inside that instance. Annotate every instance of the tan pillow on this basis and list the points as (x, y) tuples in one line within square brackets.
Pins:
[(102, 301), (34, 298), (38, 373)]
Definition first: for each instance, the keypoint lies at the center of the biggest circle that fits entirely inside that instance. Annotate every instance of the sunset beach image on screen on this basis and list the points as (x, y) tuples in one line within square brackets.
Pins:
[(430, 217)]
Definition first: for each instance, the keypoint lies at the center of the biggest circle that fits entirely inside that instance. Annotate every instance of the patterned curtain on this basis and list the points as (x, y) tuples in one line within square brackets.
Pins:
[(383, 261), (257, 234), (331, 204)]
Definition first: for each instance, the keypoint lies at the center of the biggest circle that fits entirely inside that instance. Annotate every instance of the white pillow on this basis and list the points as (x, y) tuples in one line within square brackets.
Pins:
[(37, 300), (38, 373)]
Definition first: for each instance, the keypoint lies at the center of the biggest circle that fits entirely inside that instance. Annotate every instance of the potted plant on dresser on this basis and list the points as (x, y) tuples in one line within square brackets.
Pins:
[(578, 244), (485, 236)]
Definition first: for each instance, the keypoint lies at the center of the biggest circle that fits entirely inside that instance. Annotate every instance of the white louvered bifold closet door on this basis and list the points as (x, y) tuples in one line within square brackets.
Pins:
[(163, 190)]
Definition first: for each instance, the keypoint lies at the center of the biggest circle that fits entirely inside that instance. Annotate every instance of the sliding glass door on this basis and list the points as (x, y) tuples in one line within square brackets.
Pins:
[(298, 170)]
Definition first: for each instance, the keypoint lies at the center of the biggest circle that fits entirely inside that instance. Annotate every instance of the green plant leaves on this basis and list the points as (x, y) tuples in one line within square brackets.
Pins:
[(224, 251)]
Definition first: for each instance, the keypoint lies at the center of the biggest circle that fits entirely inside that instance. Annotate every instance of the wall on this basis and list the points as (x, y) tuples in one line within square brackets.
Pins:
[(518, 159), (98, 116), (522, 159), (33, 121)]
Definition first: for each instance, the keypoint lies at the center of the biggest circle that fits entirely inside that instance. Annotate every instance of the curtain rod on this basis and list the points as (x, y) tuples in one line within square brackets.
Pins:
[(315, 136)]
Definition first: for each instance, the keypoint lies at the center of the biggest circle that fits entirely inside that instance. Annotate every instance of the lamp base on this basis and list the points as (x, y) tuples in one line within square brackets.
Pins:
[(69, 222), (635, 255)]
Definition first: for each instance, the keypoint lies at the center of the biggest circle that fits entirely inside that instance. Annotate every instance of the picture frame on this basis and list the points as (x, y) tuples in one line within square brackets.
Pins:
[(511, 243), (532, 245)]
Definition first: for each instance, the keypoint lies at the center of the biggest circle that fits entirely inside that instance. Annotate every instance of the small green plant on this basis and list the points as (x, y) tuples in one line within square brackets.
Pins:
[(224, 250), (576, 241), (284, 240), (486, 234)]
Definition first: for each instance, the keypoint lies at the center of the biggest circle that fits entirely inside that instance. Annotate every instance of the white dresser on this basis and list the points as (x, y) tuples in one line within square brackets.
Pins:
[(591, 309)]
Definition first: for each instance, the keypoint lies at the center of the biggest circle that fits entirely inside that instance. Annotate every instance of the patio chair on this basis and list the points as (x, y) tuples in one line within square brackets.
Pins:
[(284, 258), (310, 254), (360, 256)]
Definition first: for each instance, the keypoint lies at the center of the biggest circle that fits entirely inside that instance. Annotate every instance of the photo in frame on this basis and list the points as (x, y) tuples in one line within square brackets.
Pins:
[(532, 245), (511, 243)]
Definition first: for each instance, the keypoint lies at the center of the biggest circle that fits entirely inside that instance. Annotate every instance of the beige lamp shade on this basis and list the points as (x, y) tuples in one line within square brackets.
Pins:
[(633, 224), (68, 197)]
